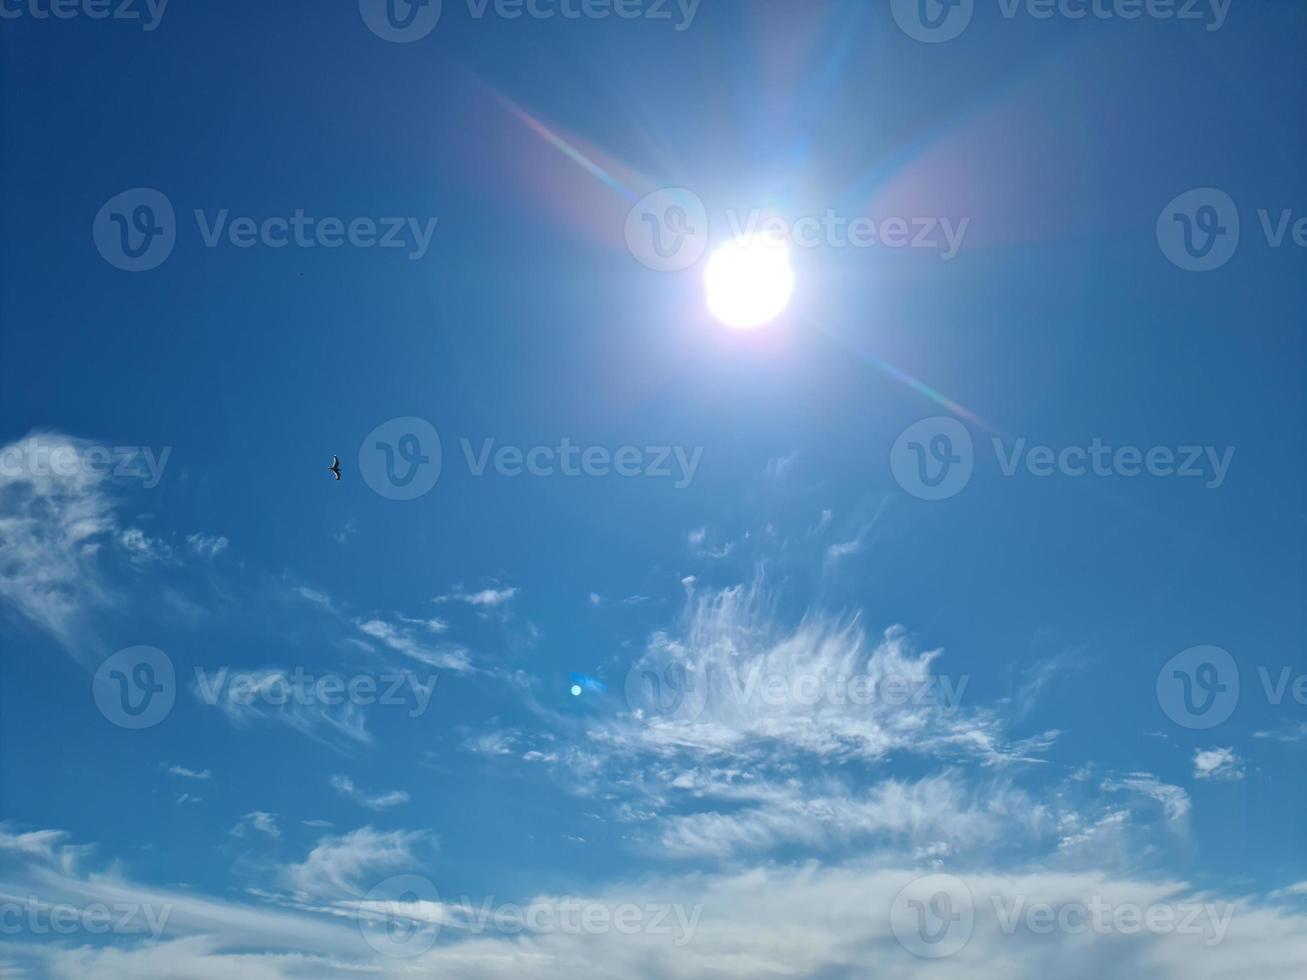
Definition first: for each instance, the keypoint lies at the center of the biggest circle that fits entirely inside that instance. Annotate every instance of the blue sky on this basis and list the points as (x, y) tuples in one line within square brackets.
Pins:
[(1016, 447)]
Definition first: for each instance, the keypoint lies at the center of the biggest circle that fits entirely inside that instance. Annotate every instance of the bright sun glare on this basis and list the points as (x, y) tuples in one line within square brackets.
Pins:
[(748, 283)]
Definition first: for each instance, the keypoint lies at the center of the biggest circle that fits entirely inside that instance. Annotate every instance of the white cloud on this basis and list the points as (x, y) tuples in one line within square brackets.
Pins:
[(207, 545), (143, 549), (432, 625), (844, 549), (402, 640), (1218, 765), (339, 866), (821, 687), (316, 597), (779, 467), (485, 599), (1295, 733), (823, 522), (493, 743), (817, 920), (264, 823), (190, 773), (53, 523), (274, 695), (374, 801), (1175, 801)]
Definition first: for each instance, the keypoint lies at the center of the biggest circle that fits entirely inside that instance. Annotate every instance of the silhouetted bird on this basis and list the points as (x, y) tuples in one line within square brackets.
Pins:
[(335, 466)]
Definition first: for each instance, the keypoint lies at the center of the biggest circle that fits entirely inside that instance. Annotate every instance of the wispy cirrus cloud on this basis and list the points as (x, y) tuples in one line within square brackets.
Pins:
[(819, 919), (373, 801), (259, 821), (190, 773), (404, 637), (490, 598), (207, 545), (348, 865), (275, 695), (54, 524)]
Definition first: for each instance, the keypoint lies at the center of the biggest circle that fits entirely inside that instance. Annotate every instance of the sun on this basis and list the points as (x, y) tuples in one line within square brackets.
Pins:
[(748, 282)]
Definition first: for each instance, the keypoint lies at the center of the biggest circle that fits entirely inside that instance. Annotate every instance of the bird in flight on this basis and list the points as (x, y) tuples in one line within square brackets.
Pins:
[(335, 466)]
